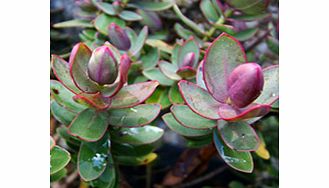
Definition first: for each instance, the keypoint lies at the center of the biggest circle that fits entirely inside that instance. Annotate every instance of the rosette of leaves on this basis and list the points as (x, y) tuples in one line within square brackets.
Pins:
[(105, 121), (229, 96), (96, 16)]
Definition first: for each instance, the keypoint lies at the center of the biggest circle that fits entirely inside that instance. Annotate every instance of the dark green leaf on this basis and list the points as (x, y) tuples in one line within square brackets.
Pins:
[(245, 34), (58, 175), (160, 96), (174, 95)]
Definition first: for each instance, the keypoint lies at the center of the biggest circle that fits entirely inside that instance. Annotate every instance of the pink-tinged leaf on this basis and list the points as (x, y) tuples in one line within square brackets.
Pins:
[(230, 113), (199, 100), (238, 136), (132, 95), (94, 100), (79, 59), (189, 46), (199, 76), (118, 37), (222, 56), (113, 89), (62, 72), (186, 72), (169, 70)]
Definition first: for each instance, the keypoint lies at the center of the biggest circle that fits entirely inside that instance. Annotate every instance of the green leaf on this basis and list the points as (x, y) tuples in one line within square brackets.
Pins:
[(138, 135), (185, 116), (79, 59), (169, 70), (238, 135), (136, 161), (132, 95), (103, 21), (209, 11), (70, 140), (156, 74), (174, 95), (172, 123), (241, 161), (250, 7), (189, 45), (74, 23), (185, 33), (198, 142), (52, 142), (199, 100), (224, 54), (153, 6), (64, 97), (139, 42), (150, 58), (124, 149), (250, 17), (93, 158), (245, 34), (160, 45), (62, 73), (132, 117), (58, 175), (130, 16), (89, 125), (105, 7), (160, 96), (108, 178), (61, 114), (59, 158), (273, 45)]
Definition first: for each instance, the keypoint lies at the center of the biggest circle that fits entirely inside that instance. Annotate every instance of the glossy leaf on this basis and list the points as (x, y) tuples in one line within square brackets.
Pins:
[(73, 23), (185, 116), (199, 100), (136, 161), (245, 34), (153, 6), (138, 135), (125, 149), (200, 142), (241, 161), (230, 113), (103, 21), (224, 54), (59, 158), (169, 70), (62, 72), (174, 95), (79, 59), (156, 74), (61, 114), (64, 97), (130, 16), (238, 135), (89, 125), (132, 95), (93, 158), (58, 175), (132, 117), (172, 123), (139, 43), (97, 100), (160, 96), (208, 10), (108, 178)]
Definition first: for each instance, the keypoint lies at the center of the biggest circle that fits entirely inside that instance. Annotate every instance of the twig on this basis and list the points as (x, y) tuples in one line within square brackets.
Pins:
[(258, 41), (203, 178)]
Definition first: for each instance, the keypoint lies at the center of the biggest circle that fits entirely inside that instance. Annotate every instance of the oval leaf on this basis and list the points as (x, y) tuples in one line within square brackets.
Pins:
[(153, 6), (241, 161), (174, 95), (209, 10), (172, 123), (103, 21), (139, 42), (199, 100), (160, 96), (61, 114), (222, 56), (238, 135), (156, 74), (169, 70), (130, 16), (89, 125), (132, 117), (74, 23), (59, 158), (189, 45), (108, 178)]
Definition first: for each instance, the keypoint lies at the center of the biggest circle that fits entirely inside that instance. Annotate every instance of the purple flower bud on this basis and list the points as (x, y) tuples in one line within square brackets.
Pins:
[(118, 37), (245, 84), (102, 66), (117, 6), (188, 59)]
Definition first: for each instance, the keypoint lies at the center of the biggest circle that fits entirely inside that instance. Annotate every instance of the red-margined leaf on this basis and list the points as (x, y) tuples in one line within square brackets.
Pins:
[(138, 135), (59, 158), (241, 161), (230, 113), (222, 56), (199, 100), (79, 59), (153, 6), (61, 114), (89, 125), (186, 72), (185, 116), (130, 16), (93, 158), (238, 135), (208, 10), (93, 100), (62, 72), (135, 116), (134, 94), (172, 123), (169, 70)]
